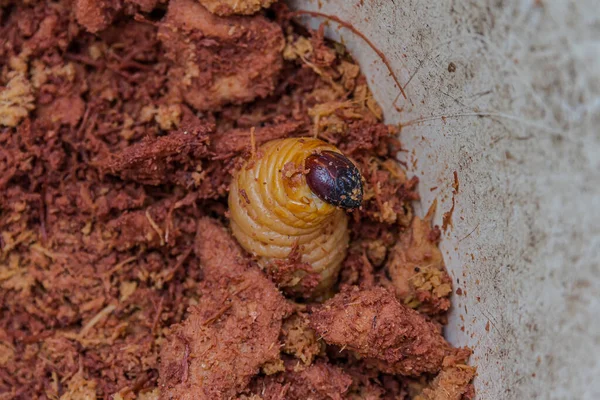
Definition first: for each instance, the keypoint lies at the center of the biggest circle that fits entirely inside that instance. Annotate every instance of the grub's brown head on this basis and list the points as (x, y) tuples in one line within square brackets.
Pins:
[(334, 179)]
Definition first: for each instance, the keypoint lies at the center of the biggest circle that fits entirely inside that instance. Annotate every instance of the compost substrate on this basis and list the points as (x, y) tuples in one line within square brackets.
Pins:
[(121, 124)]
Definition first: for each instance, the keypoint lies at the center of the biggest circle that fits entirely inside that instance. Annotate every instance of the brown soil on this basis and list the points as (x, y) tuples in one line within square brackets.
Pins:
[(121, 122)]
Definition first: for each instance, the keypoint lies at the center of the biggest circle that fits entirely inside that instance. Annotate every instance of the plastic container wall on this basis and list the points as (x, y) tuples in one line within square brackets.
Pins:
[(506, 96)]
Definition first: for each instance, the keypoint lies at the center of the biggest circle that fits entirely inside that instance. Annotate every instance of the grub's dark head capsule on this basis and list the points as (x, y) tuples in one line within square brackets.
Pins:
[(334, 179)]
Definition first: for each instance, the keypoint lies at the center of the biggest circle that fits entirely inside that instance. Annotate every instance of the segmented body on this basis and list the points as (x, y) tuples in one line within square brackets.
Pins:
[(274, 211)]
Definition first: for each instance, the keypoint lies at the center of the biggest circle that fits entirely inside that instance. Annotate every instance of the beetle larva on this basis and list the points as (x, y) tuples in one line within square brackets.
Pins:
[(292, 196)]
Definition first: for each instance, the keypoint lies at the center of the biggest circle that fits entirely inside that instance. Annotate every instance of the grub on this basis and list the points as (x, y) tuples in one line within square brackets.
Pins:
[(117, 275)]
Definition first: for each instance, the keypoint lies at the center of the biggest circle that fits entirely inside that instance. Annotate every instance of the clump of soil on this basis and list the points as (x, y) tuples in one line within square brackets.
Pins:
[(121, 123)]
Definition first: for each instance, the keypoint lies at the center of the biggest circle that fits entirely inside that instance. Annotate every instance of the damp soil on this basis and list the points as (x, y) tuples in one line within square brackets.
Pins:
[(121, 123)]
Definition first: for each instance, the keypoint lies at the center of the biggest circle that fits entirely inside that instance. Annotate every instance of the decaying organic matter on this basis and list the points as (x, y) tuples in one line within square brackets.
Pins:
[(383, 332), (122, 125), (231, 333), (229, 7), (220, 60), (416, 268)]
